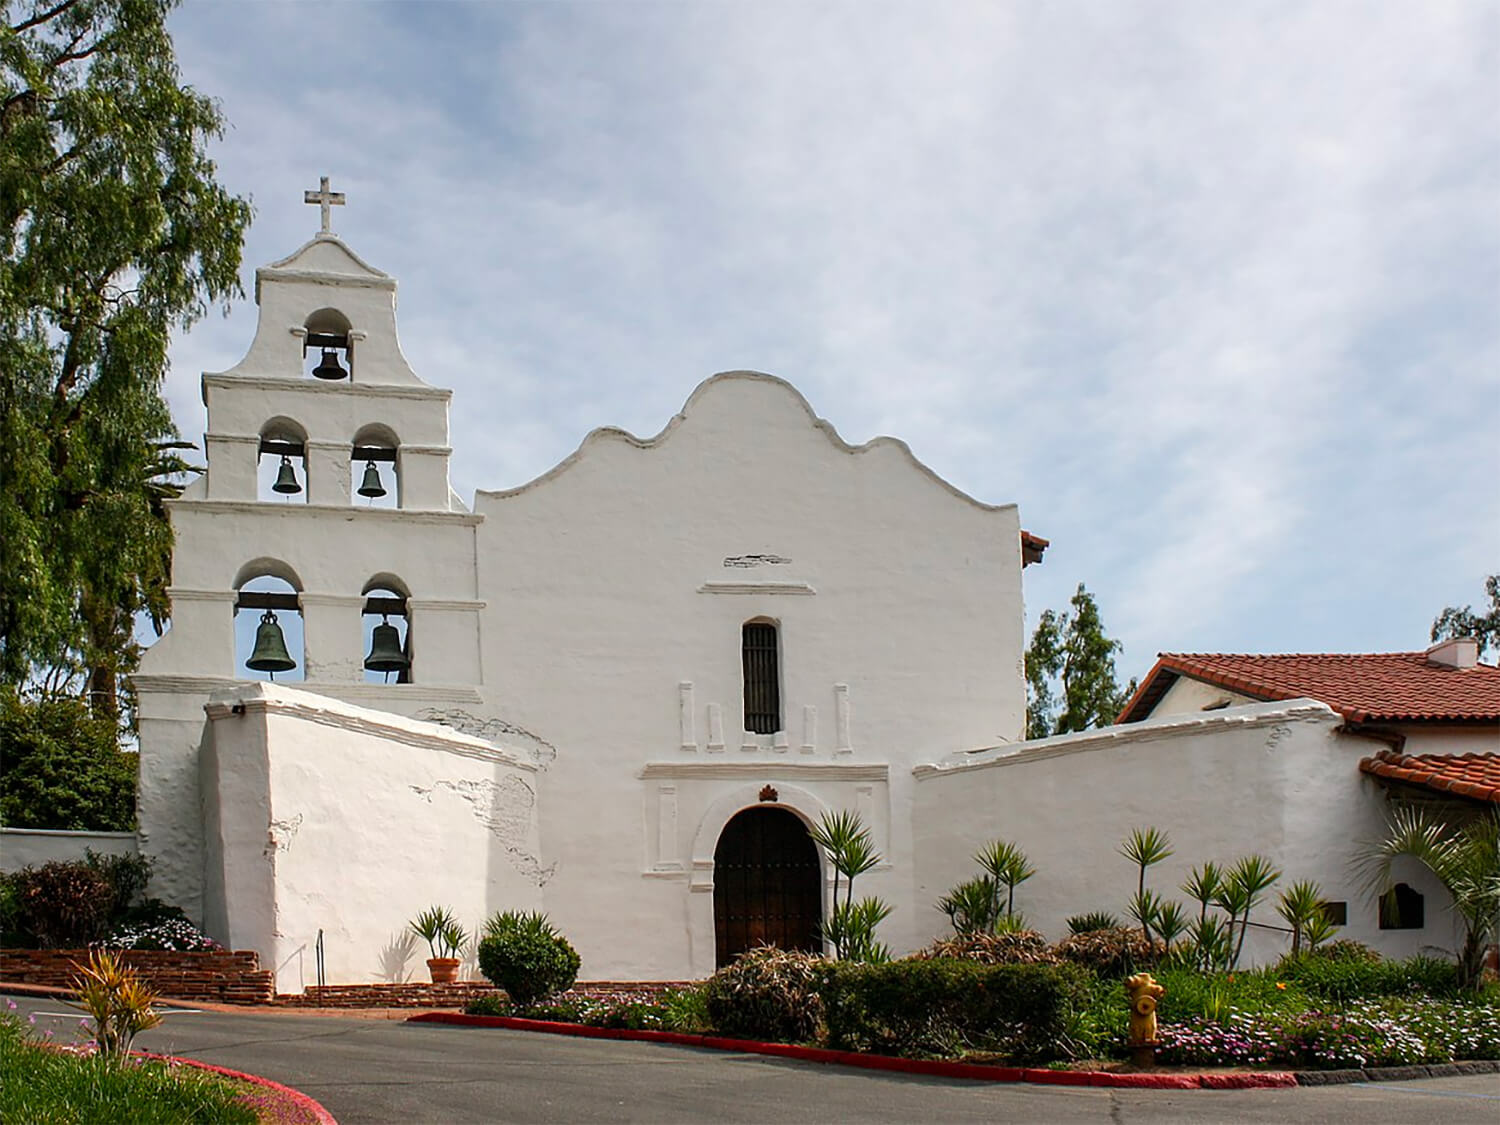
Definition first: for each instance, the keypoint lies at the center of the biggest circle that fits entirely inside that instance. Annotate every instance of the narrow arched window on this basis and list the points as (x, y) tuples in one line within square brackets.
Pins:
[(1402, 908), (281, 464), (387, 631), (374, 479), (758, 651), (268, 629)]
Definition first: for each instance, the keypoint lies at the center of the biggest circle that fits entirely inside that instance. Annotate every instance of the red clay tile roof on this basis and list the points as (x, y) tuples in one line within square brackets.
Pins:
[(1476, 776), (1032, 547), (1368, 687)]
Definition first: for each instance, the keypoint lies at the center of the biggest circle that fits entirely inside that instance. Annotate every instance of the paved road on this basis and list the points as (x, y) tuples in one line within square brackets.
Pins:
[(386, 1071)]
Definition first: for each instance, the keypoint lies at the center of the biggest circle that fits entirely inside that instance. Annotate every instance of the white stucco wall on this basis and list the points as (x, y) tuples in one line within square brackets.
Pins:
[(32, 847), (323, 815), (1270, 778), (1188, 696), (619, 583)]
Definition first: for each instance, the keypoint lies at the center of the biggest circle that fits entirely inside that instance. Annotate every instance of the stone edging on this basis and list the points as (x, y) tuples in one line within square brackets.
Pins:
[(1397, 1073), (977, 1071), (312, 1105)]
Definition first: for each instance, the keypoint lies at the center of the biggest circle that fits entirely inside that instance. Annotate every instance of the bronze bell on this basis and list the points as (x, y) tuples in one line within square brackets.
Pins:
[(385, 649), (286, 478), (328, 367), (270, 654), (371, 486)]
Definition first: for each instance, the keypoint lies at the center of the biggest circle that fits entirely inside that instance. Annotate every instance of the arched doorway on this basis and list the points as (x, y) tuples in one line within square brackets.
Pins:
[(767, 888)]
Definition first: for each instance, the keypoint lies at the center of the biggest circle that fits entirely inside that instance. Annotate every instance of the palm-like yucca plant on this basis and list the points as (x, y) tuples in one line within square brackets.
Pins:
[(850, 849), (1319, 928), (1211, 939), (1202, 885), (119, 1003), (970, 906), (1171, 922), (1008, 866), (1145, 907), (850, 929), (1299, 904), (1145, 847), (1464, 859), (1243, 890), (438, 926)]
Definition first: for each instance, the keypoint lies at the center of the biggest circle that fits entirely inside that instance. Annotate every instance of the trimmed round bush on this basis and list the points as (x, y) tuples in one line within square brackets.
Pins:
[(768, 994), (526, 956), (1111, 953)]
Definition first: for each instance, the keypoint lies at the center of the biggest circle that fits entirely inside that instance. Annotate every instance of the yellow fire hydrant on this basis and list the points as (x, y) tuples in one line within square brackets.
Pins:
[(1143, 992)]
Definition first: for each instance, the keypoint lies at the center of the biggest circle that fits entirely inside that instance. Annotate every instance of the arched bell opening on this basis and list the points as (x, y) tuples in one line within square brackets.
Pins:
[(268, 633), (387, 632), (328, 346), (281, 462), (375, 479)]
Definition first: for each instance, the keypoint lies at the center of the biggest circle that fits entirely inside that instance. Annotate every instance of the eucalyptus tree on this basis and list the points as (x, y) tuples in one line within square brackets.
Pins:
[(1071, 682), (116, 233)]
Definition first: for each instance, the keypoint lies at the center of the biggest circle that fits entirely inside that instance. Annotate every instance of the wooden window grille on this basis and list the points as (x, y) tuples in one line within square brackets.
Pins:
[(762, 678)]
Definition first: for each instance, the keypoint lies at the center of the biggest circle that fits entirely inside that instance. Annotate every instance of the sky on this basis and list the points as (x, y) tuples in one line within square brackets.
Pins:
[(1211, 291)]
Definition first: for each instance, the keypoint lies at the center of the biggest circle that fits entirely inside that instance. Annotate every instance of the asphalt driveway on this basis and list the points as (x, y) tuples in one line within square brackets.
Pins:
[(366, 1070)]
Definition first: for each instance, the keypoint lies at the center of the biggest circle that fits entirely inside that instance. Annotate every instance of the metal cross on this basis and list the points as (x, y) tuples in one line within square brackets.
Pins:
[(324, 199)]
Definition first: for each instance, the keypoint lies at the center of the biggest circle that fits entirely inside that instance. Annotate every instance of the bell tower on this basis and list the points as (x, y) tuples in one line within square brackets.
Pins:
[(323, 546)]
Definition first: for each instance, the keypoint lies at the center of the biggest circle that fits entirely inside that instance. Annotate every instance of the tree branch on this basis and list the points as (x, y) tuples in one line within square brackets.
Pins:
[(42, 17)]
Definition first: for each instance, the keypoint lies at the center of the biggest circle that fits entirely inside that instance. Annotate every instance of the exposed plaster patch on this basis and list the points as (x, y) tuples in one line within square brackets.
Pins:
[(281, 833), (504, 807), (542, 752), (756, 560)]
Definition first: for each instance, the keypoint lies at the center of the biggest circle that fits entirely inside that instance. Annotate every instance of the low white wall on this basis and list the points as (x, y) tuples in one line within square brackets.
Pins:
[(32, 847), (1272, 778), (326, 816)]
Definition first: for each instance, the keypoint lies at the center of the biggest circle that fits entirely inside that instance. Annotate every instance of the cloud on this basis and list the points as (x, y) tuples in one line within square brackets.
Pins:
[(1208, 290)]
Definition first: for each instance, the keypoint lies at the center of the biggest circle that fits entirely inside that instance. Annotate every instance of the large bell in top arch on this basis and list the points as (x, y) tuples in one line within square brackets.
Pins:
[(270, 654), (385, 650), (328, 367)]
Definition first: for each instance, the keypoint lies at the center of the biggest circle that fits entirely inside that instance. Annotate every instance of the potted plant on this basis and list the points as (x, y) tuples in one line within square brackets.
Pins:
[(444, 936)]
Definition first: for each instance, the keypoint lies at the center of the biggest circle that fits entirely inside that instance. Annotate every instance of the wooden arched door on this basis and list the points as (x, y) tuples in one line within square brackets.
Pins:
[(767, 888)]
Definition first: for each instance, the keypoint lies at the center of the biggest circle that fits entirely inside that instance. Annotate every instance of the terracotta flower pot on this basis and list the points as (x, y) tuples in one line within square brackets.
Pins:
[(444, 970)]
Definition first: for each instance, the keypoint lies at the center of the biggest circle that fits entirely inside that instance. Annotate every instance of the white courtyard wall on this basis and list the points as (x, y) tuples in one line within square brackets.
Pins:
[(32, 847), (618, 585), (1188, 696), (329, 817), (1273, 779)]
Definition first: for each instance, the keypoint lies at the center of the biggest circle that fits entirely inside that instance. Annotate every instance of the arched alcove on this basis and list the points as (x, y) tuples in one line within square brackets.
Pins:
[(386, 608), (374, 465), (267, 599), (328, 339), (767, 884), (281, 464)]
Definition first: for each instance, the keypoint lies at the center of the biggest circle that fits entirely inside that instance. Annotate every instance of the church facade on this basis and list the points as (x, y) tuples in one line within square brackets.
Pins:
[(621, 693)]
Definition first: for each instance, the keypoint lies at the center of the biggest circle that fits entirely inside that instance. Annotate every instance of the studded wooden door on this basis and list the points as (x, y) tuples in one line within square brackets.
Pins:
[(766, 884)]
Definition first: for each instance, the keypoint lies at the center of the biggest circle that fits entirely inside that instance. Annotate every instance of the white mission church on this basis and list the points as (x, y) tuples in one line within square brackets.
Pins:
[(620, 693)]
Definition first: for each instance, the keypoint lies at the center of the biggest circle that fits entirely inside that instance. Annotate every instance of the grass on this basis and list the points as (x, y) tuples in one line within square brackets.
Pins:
[(43, 1083)]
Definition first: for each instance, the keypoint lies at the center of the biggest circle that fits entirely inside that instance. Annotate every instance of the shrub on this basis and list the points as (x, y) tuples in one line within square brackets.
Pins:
[(62, 767), (63, 905), (526, 956), (1094, 920), (768, 994), (1021, 947), (1111, 953), (128, 876), (1346, 949), (118, 1002), (491, 1005), (1349, 978), (948, 1008), (176, 934)]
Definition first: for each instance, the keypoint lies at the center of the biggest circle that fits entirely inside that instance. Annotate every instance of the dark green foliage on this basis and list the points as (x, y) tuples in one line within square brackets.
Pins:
[(972, 906), (63, 905), (491, 1005), (1111, 953), (1484, 627), (62, 768), (1070, 672), (948, 1008), (526, 956), (128, 877), (768, 994), (1344, 979), (115, 233), (1347, 949), (1013, 947), (1094, 920)]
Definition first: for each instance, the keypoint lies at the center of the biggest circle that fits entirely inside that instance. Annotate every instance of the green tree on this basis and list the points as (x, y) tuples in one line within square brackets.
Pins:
[(1457, 621), (115, 234), (1071, 681), (62, 768)]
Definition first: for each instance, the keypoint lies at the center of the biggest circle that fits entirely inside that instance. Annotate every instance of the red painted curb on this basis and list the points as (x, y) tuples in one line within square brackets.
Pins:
[(312, 1105), (979, 1072)]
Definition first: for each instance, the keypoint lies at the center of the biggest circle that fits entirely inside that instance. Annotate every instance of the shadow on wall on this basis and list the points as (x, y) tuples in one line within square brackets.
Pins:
[(395, 958)]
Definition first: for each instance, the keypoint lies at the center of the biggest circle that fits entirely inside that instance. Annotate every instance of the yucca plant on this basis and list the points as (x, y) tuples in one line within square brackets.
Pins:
[(1211, 941), (1243, 890), (971, 905), (1202, 886), (1320, 927), (1145, 847), (118, 1002), (1299, 904), (440, 929), (1008, 866), (1171, 922), (850, 929), (851, 851), (1092, 921), (1464, 859), (1144, 906)]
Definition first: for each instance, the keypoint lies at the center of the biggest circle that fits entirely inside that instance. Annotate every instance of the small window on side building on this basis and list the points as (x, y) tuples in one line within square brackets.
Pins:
[(1401, 908)]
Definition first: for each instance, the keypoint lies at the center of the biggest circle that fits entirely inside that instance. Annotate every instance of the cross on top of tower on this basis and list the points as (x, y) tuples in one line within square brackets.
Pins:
[(324, 199)]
